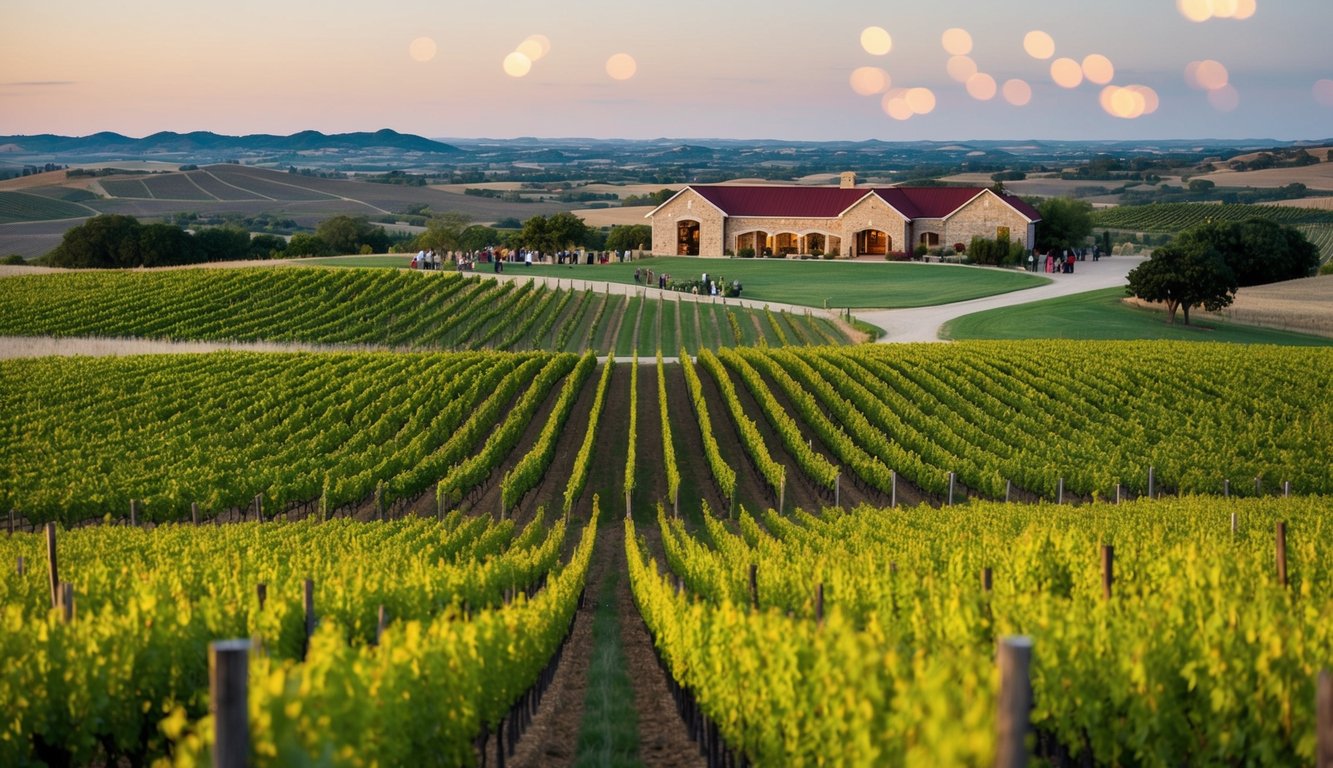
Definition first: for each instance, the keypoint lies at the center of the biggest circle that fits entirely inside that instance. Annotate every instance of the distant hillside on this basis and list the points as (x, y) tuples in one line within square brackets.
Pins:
[(206, 142)]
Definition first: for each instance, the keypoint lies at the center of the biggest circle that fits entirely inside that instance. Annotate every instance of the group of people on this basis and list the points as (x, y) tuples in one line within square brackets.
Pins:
[(1063, 262), (716, 286)]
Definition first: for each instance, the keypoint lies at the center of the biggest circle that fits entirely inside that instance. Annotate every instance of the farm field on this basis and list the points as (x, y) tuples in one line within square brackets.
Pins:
[(809, 283), (383, 308), (25, 206), (1318, 176), (806, 463), (1315, 222), (1101, 315)]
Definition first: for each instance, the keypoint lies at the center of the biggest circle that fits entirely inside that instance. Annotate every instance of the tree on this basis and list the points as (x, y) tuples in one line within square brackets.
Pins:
[(106, 241), (163, 245), (346, 234), (566, 231), (629, 238), (1065, 223), (536, 233), (477, 237), (304, 244), (223, 243), (1184, 275), (267, 247), (1258, 251), (444, 232)]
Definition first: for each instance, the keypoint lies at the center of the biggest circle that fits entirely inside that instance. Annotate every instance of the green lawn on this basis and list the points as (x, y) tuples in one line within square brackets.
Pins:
[(861, 285), (1101, 315)]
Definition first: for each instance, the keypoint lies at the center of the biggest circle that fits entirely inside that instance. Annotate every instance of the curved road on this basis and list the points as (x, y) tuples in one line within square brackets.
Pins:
[(924, 323)]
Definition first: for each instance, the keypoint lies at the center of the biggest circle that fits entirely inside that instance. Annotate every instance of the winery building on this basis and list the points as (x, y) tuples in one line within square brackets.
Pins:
[(847, 221)]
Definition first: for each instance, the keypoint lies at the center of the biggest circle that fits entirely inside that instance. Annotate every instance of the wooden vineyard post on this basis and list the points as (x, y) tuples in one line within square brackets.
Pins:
[(1233, 525), (1117, 493), (1108, 570), (627, 504), (951, 479), (754, 585), (1152, 482), (261, 591), (1324, 719), (782, 492), (308, 601), (1226, 489), (1286, 489), (20, 565), (1008, 490), (1060, 492), (229, 694), (66, 602), (134, 513), (381, 622), (1282, 553), (1012, 719), (837, 491), (893, 488), (259, 506), (51, 564), (194, 513)]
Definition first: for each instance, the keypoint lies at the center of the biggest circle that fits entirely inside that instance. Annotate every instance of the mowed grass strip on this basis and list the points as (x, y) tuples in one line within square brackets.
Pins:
[(1101, 315)]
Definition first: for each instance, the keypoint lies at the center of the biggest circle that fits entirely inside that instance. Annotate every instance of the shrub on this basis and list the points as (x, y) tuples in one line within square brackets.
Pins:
[(746, 253)]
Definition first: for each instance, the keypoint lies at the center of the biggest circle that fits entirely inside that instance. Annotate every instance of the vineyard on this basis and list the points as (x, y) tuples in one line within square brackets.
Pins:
[(1173, 217), (22, 206), (867, 637), (386, 308), (816, 538)]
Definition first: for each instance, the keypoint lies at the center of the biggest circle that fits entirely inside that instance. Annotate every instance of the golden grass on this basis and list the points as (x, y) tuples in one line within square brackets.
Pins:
[(1313, 176), (1304, 305), (611, 217)]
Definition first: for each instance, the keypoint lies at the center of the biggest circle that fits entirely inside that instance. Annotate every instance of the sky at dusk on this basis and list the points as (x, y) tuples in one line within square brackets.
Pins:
[(838, 69)]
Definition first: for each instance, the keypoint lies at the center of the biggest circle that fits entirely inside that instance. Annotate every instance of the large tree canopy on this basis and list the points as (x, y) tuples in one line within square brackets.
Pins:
[(1184, 275), (1258, 251), (1065, 223), (348, 234), (112, 241)]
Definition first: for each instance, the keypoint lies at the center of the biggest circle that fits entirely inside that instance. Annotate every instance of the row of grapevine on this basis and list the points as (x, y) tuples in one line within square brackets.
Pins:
[(722, 472), (773, 473), (631, 449), (529, 470), (578, 477), (875, 629), (668, 448), (382, 307), (1173, 217), (146, 604)]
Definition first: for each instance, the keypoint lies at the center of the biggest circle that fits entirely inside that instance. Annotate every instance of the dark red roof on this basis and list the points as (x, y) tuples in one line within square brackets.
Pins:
[(830, 202)]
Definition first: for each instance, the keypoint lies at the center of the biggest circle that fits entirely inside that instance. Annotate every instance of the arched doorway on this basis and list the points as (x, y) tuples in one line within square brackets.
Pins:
[(687, 237), (873, 242), (786, 243), (754, 241)]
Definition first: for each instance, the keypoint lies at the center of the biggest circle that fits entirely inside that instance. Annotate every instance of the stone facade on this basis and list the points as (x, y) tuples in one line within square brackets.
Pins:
[(870, 225)]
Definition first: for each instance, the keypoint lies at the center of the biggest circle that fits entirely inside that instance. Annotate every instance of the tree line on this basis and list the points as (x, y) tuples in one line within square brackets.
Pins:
[(112, 241)]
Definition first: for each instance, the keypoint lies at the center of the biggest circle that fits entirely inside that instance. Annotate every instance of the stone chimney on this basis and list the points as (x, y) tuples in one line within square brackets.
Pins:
[(847, 180)]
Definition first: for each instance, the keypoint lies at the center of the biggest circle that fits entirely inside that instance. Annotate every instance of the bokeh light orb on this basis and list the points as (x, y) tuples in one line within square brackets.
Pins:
[(1039, 45), (1123, 103), (895, 105), (876, 41), (1098, 69), (956, 41), (1150, 99), (1017, 92), (868, 81), (1211, 75), (1224, 99), (960, 68), (534, 47), (1225, 9), (981, 87), (1195, 10), (921, 100), (1323, 92), (517, 65), (422, 49), (1245, 9), (1067, 73), (621, 66)]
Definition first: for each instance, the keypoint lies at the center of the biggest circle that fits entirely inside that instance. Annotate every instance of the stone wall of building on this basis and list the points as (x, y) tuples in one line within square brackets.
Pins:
[(688, 205), (982, 217), (873, 213)]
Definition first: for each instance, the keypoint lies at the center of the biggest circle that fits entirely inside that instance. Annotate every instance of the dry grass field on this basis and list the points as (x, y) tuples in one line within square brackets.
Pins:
[(612, 217), (1295, 305), (1318, 203), (1312, 176)]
